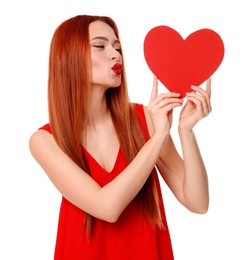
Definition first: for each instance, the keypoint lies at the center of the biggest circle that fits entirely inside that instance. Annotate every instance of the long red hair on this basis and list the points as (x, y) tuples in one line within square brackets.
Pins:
[(69, 86)]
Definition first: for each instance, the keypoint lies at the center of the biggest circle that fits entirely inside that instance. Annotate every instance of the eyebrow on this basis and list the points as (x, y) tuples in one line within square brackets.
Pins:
[(104, 39)]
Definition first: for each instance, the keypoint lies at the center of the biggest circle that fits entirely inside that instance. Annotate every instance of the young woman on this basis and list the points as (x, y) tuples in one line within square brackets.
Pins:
[(101, 151)]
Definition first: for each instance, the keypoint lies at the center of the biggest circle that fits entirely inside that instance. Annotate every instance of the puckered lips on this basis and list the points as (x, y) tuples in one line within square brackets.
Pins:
[(117, 68)]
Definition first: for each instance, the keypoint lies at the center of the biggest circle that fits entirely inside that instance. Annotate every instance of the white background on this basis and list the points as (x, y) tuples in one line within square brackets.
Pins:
[(29, 204)]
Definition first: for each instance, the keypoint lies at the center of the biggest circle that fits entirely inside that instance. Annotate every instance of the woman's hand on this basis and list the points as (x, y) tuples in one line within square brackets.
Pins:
[(160, 109), (197, 107)]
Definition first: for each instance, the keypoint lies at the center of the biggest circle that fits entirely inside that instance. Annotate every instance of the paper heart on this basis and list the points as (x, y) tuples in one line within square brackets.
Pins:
[(179, 63)]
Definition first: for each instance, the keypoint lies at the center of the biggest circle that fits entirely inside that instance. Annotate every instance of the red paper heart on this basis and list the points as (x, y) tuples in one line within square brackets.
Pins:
[(180, 63)]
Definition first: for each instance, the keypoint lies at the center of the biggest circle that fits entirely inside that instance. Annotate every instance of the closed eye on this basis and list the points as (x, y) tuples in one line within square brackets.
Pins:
[(118, 50), (99, 46)]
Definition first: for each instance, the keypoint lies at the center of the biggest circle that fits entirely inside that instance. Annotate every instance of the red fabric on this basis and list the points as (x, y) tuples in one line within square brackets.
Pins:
[(131, 238)]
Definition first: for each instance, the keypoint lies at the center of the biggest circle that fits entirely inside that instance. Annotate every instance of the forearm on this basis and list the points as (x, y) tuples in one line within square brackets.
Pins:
[(107, 202), (117, 194), (195, 182)]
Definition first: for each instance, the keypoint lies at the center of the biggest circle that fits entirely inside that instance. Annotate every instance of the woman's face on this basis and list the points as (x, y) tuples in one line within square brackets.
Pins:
[(105, 55)]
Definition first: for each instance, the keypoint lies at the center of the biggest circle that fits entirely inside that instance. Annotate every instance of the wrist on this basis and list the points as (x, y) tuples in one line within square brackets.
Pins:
[(185, 131), (160, 138)]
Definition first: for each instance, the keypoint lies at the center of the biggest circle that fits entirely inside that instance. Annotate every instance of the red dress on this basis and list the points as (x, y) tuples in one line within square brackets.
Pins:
[(130, 238)]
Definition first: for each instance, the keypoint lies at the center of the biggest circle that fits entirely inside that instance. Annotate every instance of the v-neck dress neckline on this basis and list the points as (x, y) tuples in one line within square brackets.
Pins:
[(101, 175), (91, 159)]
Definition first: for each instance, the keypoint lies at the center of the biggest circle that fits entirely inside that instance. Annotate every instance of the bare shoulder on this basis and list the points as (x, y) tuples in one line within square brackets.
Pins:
[(41, 140), (38, 137)]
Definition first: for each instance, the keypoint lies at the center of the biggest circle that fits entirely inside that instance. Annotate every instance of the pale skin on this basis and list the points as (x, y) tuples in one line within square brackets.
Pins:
[(187, 177)]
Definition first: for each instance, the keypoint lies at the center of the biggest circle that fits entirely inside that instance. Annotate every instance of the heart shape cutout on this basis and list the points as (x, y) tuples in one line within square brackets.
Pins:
[(180, 63)]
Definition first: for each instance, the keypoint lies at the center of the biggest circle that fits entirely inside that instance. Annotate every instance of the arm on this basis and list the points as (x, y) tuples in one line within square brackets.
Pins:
[(79, 188), (187, 177)]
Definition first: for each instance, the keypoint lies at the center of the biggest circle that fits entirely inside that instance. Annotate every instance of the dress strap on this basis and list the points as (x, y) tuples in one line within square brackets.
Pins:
[(46, 127)]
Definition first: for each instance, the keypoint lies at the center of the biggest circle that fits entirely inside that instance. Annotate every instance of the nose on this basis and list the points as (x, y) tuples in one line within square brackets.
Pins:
[(116, 55)]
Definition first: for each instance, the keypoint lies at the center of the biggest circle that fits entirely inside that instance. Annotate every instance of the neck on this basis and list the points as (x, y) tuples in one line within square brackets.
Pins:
[(98, 110)]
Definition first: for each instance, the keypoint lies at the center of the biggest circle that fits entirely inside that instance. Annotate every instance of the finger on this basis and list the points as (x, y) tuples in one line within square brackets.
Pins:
[(200, 102), (167, 101), (165, 96), (170, 107), (208, 90), (204, 94), (200, 90), (154, 92), (197, 103), (208, 87)]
